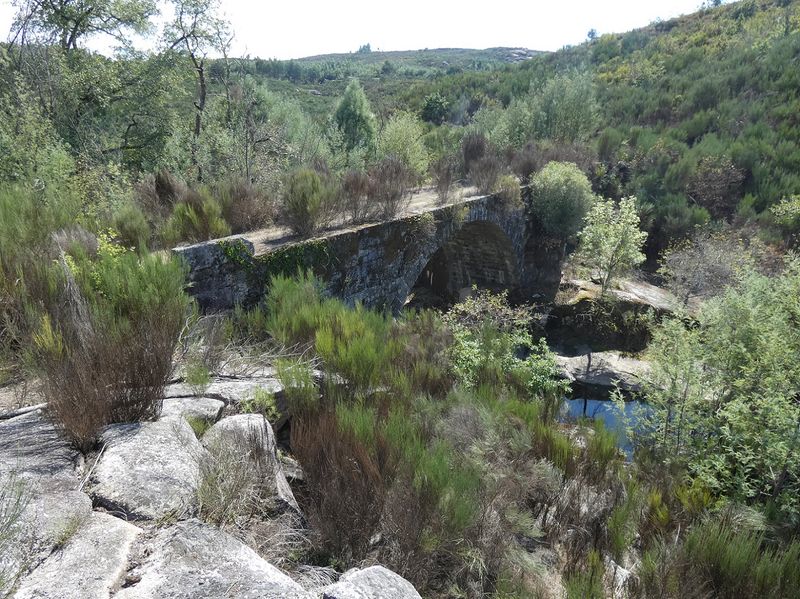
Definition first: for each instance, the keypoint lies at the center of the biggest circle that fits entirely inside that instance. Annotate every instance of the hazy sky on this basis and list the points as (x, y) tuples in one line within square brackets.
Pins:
[(296, 28)]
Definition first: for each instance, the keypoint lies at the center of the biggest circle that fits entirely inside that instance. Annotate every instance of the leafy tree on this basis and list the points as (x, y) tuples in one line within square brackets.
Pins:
[(560, 197), (723, 393), (611, 241), (70, 22), (195, 31), (402, 138), (354, 118), (435, 108)]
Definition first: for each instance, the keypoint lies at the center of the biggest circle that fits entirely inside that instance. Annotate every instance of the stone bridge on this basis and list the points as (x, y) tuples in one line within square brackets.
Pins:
[(481, 241)]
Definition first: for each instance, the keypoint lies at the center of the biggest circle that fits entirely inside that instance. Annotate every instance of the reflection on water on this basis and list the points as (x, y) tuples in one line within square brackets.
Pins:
[(607, 411)]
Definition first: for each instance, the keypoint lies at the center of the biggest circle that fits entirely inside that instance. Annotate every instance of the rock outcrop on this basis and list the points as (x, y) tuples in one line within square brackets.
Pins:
[(192, 559), (92, 562), (602, 371), (149, 470), (200, 408), (375, 582), (250, 437)]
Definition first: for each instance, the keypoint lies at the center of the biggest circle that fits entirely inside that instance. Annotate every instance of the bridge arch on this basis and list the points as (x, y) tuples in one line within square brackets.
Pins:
[(480, 253)]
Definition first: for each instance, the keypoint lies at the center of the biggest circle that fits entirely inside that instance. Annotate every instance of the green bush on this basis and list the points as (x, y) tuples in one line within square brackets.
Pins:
[(402, 138), (508, 191), (198, 217), (560, 198), (109, 355), (132, 227), (306, 203)]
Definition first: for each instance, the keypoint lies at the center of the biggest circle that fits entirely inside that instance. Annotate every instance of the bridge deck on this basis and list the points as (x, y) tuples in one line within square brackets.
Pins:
[(423, 200)]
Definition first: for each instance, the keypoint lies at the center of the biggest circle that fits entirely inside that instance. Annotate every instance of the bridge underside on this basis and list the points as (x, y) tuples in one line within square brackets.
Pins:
[(480, 254)]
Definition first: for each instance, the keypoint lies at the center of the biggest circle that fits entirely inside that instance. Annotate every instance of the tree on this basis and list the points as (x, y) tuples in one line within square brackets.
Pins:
[(435, 108), (354, 118), (722, 395), (194, 32), (560, 197), (402, 138), (611, 241), (69, 22)]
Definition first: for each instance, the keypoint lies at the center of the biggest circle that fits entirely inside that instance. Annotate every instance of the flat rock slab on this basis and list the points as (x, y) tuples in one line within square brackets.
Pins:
[(42, 519), (92, 563), (227, 390), (192, 559), (38, 490), (34, 450), (605, 370), (250, 437), (201, 408), (375, 582), (149, 470)]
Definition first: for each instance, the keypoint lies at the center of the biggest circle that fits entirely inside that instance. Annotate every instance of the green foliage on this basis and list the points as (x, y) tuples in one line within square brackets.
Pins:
[(611, 241), (127, 313), (435, 108), (131, 225), (263, 402), (561, 195), (300, 389), (354, 118), (198, 219), (587, 584), (737, 564), (508, 191), (306, 202), (197, 376), (402, 137), (722, 391)]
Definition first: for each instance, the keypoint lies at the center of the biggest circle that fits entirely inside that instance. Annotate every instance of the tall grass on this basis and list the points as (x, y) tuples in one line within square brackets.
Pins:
[(734, 563)]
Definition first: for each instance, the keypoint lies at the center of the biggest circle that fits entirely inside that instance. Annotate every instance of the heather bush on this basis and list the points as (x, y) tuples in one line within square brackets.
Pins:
[(508, 191), (195, 217), (355, 200), (307, 202), (105, 346), (245, 207), (474, 146), (485, 173), (390, 187), (130, 224), (444, 173)]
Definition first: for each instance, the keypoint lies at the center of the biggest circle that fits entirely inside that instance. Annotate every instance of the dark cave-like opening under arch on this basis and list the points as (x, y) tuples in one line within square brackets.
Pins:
[(479, 254)]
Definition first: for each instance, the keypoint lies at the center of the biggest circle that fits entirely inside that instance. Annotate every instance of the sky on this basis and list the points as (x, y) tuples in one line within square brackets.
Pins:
[(297, 28)]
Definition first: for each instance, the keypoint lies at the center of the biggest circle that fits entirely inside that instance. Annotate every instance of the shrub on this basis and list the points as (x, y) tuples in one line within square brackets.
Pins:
[(105, 349), (197, 217), (737, 564), (525, 162), (28, 221), (402, 139), (355, 190), (231, 487), (611, 242), (132, 227), (245, 207), (444, 172), (14, 498), (474, 146), (306, 203), (390, 187), (560, 198), (508, 191), (485, 173)]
